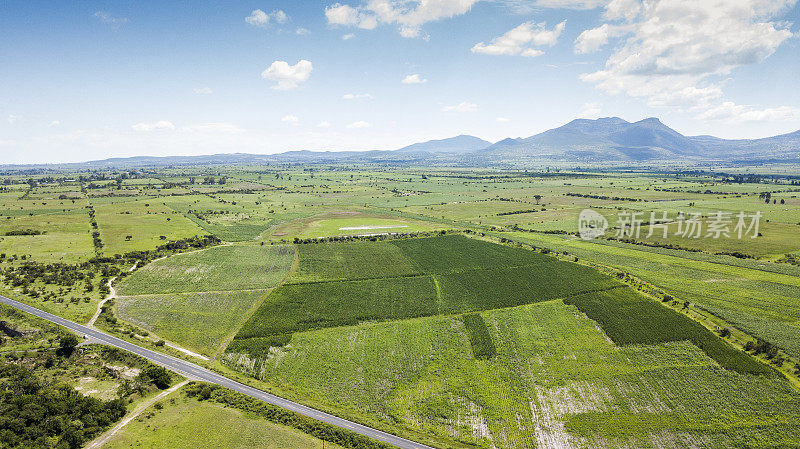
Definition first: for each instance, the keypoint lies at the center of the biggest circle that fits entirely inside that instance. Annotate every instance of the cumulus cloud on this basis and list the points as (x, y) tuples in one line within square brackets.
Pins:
[(55, 123), (348, 36), (323, 124), (359, 124), (464, 106), (733, 113), (522, 40), (408, 15), (302, 31), (262, 19), (502, 120), (203, 91), (290, 119), (161, 125), (594, 39), (675, 52), (530, 6), (288, 76), (12, 119), (414, 79)]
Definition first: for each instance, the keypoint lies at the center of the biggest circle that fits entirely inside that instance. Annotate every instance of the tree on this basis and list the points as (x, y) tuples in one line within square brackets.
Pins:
[(67, 345), (157, 375), (537, 197)]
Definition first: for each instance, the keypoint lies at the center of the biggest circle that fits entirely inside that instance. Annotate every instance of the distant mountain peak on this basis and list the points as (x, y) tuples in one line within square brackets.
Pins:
[(459, 144)]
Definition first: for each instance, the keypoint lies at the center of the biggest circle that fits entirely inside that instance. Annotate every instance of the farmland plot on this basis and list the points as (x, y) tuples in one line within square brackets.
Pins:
[(556, 380), (222, 268), (200, 321)]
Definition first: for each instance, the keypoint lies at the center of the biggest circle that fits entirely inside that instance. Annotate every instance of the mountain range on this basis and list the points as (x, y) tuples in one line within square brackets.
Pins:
[(609, 139)]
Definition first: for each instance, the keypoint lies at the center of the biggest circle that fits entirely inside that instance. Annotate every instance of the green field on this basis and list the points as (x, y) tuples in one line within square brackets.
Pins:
[(553, 367), (438, 275), (223, 268), (462, 336), (186, 423)]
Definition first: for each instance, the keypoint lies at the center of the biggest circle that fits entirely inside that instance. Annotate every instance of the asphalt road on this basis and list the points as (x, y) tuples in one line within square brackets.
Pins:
[(196, 372)]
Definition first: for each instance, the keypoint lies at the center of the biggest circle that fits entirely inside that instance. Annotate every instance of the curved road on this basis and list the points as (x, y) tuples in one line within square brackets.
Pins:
[(196, 372)]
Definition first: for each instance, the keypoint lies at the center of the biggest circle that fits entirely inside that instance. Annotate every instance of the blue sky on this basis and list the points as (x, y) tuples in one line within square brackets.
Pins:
[(89, 80)]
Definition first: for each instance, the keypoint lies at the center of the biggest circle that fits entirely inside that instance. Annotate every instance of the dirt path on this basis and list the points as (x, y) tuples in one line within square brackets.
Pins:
[(104, 438), (112, 294)]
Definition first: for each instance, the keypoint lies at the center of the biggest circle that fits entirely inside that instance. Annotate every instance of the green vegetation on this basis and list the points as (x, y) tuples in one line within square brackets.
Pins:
[(186, 423), (199, 321), (40, 414), (327, 432), (484, 276), (221, 268), (631, 319), (479, 337)]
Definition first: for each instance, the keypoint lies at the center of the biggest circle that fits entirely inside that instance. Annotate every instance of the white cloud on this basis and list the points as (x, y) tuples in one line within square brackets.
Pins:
[(55, 123), (288, 76), (594, 39), (348, 36), (590, 110), (323, 124), (676, 52), (408, 15), (521, 40), (108, 18), (464, 106), (203, 91), (502, 120), (262, 19), (290, 119), (359, 124), (302, 31), (414, 79), (12, 119), (622, 9), (735, 113), (162, 125), (357, 96)]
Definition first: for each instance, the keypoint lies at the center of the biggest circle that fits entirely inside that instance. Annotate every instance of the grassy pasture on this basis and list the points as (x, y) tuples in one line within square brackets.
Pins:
[(145, 221), (221, 268), (349, 223), (186, 423), (199, 321)]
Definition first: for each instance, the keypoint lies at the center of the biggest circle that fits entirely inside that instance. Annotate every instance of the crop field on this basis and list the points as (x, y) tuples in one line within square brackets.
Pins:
[(199, 321), (335, 284), (222, 268), (757, 297), (451, 339), (553, 372)]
